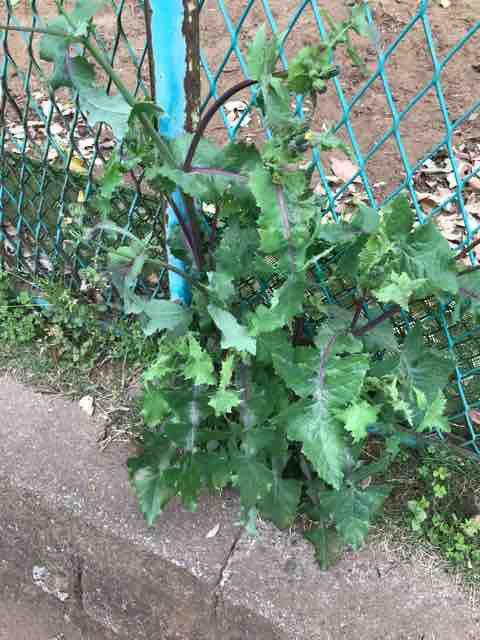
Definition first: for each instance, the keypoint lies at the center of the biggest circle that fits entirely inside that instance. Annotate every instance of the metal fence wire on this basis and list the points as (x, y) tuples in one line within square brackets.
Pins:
[(50, 157)]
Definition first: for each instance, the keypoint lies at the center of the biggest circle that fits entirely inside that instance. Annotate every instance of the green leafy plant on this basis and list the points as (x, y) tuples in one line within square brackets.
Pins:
[(17, 323), (74, 332), (446, 513), (267, 382)]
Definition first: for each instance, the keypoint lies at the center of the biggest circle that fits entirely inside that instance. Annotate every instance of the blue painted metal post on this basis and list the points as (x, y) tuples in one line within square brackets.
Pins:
[(176, 60)]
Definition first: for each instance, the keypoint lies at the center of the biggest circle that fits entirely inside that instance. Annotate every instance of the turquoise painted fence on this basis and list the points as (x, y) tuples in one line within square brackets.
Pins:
[(42, 173)]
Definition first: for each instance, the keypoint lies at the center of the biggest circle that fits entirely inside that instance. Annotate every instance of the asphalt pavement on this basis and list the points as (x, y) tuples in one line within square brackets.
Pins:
[(18, 621)]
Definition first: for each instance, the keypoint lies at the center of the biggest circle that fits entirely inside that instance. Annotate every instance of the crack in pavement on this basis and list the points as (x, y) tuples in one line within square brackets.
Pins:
[(217, 589)]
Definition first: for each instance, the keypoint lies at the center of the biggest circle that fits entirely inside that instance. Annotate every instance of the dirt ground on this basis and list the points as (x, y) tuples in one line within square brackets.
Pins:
[(407, 70)]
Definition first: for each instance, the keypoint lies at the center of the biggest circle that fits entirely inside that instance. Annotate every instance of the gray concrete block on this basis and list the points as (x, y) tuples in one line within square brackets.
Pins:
[(374, 594), (68, 511), (72, 540)]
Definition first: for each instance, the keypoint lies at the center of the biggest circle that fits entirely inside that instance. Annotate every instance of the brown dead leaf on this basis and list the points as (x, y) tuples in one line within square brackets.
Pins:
[(448, 225), (57, 129), (86, 143), (87, 404), (464, 169), (344, 169), (474, 183), (474, 416), (431, 167), (434, 200), (18, 131), (427, 199), (152, 279), (235, 109), (473, 206), (36, 124)]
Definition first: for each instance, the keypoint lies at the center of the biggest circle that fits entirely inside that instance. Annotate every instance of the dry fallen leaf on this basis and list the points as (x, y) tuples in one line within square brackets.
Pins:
[(108, 144), (449, 227), (427, 199), (431, 167), (18, 131), (474, 415), (87, 405), (213, 532), (344, 169), (433, 200), (86, 143), (46, 107), (474, 183), (67, 109), (235, 109), (152, 279), (45, 263), (57, 129), (36, 124), (473, 207)]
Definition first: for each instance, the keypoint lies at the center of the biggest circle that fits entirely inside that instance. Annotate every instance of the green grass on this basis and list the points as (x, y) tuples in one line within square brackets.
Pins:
[(75, 348), (434, 508)]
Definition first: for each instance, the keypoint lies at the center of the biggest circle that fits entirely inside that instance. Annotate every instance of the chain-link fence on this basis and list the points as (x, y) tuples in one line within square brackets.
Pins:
[(409, 118)]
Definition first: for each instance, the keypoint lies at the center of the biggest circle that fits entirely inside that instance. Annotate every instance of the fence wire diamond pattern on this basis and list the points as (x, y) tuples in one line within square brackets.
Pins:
[(42, 174)]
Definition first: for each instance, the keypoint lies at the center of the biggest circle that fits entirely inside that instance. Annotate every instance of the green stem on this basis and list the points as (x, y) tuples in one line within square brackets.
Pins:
[(156, 137), (113, 228), (392, 311), (326, 351), (110, 71), (464, 253), (205, 120), (287, 231), (358, 311), (130, 100), (47, 32), (160, 143), (166, 265)]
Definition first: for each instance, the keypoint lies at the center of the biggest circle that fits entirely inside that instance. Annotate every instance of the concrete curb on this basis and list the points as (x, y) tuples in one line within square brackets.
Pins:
[(71, 534)]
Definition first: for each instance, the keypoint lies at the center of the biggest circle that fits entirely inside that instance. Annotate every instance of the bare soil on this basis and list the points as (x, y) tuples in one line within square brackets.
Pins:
[(407, 70)]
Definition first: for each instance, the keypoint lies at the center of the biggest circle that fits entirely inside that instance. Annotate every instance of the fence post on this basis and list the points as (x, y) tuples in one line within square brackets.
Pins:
[(174, 28)]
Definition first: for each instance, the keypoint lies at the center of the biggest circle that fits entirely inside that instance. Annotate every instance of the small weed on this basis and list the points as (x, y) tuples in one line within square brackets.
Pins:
[(61, 342), (17, 324), (437, 496)]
